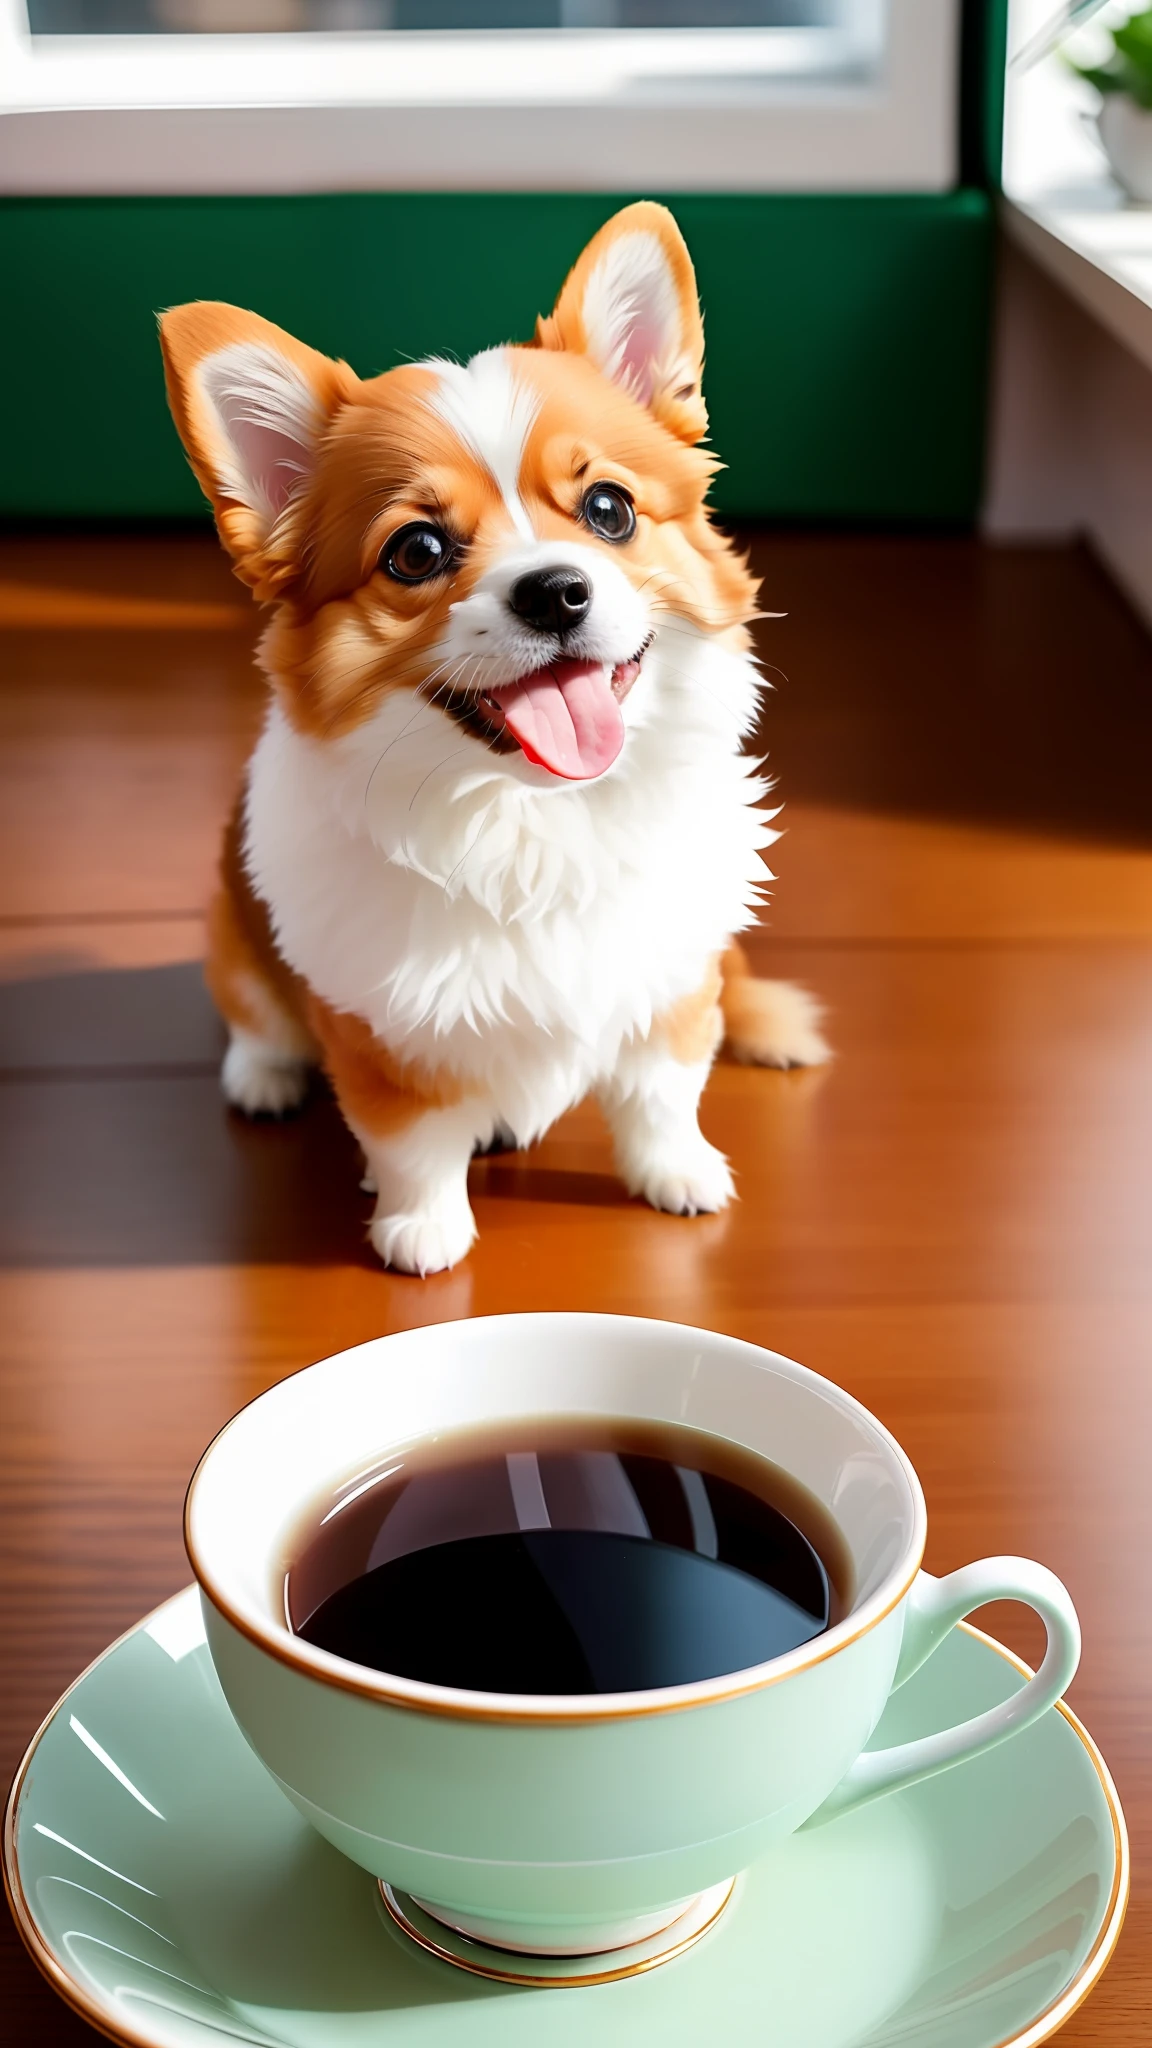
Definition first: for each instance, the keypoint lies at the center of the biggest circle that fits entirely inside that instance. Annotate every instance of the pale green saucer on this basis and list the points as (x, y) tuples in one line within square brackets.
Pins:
[(173, 1896)]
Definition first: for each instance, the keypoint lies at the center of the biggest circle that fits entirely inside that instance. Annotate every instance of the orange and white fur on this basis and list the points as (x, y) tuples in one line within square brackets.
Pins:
[(498, 831)]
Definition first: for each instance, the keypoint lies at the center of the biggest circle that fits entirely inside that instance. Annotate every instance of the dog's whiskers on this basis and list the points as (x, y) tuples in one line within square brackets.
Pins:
[(434, 770), (421, 704), (387, 750)]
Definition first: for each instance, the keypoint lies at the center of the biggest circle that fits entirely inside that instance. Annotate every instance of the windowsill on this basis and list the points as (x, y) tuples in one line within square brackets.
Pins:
[(1065, 209)]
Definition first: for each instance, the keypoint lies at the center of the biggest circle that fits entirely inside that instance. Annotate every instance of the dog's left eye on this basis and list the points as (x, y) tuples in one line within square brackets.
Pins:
[(609, 512), (417, 552)]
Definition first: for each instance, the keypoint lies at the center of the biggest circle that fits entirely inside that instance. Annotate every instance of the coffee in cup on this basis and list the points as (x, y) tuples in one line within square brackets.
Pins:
[(568, 1555)]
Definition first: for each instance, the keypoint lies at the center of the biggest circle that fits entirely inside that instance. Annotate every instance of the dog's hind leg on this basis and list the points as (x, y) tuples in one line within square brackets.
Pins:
[(270, 1048), (768, 1023)]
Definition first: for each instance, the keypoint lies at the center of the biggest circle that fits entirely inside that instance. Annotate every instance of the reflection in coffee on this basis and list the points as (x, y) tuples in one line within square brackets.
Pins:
[(569, 1555)]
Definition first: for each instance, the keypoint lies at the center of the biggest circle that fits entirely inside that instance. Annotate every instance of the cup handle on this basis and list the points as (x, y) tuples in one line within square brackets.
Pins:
[(934, 1608)]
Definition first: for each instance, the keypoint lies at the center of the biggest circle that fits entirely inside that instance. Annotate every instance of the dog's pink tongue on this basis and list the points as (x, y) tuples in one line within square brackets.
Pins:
[(565, 717)]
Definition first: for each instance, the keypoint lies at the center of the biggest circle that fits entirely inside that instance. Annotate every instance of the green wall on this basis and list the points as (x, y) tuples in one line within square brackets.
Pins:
[(847, 337)]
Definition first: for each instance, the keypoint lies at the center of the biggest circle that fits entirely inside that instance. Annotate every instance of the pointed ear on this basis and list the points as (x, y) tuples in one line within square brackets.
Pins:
[(631, 304), (250, 405)]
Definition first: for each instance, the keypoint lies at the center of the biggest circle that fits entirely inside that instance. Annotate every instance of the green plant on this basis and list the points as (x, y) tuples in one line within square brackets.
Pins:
[(1129, 68)]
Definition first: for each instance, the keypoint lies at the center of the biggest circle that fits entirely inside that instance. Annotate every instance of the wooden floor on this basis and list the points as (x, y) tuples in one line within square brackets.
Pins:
[(953, 1220)]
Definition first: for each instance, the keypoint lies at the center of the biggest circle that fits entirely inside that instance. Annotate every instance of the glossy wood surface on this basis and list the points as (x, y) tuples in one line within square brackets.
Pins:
[(953, 1220)]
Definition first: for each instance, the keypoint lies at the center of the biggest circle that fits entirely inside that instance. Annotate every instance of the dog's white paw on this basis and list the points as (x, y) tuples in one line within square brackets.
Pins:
[(692, 1181), (262, 1082), (775, 1024), (425, 1241)]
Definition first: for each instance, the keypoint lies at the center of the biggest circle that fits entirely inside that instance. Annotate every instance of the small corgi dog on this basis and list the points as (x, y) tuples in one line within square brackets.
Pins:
[(498, 831)]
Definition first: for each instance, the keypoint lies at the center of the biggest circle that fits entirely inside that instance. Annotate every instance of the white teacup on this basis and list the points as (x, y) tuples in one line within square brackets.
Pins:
[(573, 1825)]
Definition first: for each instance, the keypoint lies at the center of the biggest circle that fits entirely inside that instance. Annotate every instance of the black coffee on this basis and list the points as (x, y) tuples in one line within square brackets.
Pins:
[(568, 1556)]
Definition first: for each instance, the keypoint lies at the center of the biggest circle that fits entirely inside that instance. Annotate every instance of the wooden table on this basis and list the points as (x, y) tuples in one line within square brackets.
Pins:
[(953, 1220)]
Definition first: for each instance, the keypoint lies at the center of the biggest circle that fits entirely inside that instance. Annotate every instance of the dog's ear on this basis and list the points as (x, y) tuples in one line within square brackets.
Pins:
[(250, 405), (631, 304)]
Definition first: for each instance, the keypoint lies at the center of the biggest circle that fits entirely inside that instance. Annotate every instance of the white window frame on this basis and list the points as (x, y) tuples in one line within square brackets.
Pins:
[(765, 110)]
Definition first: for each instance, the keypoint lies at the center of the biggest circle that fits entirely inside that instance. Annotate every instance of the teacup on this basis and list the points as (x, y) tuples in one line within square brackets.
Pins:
[(564, 1826)]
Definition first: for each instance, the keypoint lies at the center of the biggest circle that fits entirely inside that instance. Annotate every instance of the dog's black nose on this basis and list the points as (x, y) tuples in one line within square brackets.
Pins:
[(552, 600)]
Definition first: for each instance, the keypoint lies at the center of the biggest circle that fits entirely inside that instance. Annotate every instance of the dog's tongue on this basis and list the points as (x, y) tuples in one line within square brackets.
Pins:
[(565, 717)]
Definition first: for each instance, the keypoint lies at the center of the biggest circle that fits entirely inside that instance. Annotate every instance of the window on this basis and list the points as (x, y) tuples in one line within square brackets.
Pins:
[(270, 17), (609, 95)]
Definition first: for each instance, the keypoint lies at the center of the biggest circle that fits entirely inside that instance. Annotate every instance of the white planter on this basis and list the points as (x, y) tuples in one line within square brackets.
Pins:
[(1126, 133)]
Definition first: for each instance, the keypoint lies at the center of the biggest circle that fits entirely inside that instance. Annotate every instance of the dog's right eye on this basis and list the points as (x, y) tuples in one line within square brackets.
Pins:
[(417, 552)]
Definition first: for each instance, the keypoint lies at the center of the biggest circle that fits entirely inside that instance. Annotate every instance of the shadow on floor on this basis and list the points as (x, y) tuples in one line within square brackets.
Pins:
[(938, 676), (116, 1147)]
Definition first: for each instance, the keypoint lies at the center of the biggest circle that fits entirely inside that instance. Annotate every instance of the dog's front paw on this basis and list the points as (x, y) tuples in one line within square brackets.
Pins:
[(691, 1181), (260, 1082), (424, 1241)]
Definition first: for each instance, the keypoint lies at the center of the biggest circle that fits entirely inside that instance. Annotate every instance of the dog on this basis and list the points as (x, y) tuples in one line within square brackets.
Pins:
[(498, 832)]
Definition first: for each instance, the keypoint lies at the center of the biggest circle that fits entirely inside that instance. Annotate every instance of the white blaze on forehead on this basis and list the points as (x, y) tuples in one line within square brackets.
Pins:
[(492, 412)]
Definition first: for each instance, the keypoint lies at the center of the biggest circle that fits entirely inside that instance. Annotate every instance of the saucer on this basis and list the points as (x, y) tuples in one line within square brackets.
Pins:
[(172, 1895)]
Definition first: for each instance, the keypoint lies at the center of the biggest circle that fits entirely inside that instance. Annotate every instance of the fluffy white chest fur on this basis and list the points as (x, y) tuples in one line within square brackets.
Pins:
[(517, 933)]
